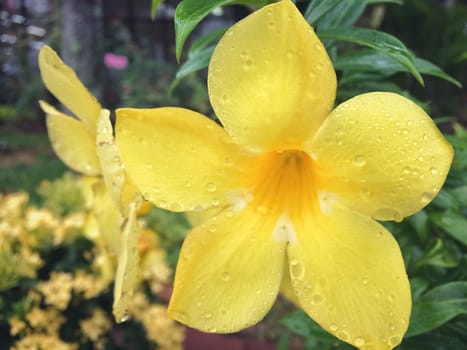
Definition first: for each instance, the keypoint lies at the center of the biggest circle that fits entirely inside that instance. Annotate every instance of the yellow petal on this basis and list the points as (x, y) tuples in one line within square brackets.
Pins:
[(108, 216), (271, 82), (287, 290), (228, 273), (382, 155), (196, 218), (349, 276), (63, 83), (71, 141), (179, 159), (126, 277), (107, 150), (130, 194)]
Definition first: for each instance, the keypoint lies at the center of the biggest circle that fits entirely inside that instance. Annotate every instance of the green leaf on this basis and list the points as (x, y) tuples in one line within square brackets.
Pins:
[(426, 67), (343, 14), (377, 40), (438, 255), (398, 2), (444, 200), (452, 223), (371, 60), (195, 62), (300, 323), (438, 306), (155, 4), (190, 12), (460, 193), (418, 286), (419, 223), (205, 40), (318, 8)]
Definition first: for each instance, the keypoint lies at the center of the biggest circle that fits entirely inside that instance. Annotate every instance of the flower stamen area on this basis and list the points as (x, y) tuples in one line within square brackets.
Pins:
[(283, 184)]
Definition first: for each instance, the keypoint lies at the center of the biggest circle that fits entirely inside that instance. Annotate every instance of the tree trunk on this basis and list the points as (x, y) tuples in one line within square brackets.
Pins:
[(81, 39)]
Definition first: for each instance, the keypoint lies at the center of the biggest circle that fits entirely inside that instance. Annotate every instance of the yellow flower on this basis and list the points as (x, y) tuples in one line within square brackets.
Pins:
[(86, 144), (57, 290), (293, 182), (42, 342), (95, 326)]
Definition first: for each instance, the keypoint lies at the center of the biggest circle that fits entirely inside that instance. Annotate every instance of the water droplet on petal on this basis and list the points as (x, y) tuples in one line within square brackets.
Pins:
[(333, 327), (175, 207), (360, 160), (317, 299), (434, 171), (359, 341), (364, 281), (162, 204), (207, 315), (344, 335), (426, 198), (211, 187), (394, 340), (226, 277)]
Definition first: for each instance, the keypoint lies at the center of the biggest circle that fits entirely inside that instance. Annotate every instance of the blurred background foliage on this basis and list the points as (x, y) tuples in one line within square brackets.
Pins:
[(142, 71)]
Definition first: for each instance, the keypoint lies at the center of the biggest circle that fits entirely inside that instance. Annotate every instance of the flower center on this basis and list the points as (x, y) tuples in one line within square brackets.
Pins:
[(282, 183)]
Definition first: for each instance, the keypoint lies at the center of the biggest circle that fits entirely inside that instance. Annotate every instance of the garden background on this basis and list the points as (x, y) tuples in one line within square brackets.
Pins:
[(127, 58)]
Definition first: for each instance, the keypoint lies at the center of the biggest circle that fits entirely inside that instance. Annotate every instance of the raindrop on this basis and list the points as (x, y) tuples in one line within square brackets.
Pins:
[(360, 160), (228, 162), (175, 207), (344, 335), (208, 315), (364, 281), (407, 170), (296, 270), (394, 340), (387, 214), (384, 339), (147, 196), (434, 171), (162, 204), (226, 277), (271, 25), (180, 316), (212, 228), (125, 317), (333, 327), (216, 202), (426, 198), (211, 187), (87, 166), (392, 327), (248, 64), (359, 341), (317, 299)]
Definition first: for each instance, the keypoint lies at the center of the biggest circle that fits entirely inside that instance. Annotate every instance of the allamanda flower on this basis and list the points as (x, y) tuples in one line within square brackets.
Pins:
[(87, 145), (298, 188)]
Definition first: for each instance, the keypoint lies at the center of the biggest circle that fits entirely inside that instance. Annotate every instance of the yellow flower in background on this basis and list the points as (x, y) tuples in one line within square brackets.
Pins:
[(86, 144), (298, 188)]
